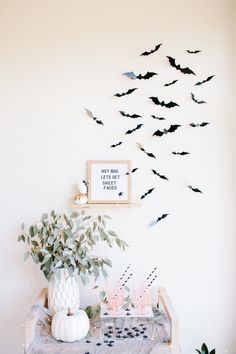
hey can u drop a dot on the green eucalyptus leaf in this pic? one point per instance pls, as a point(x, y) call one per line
point(26, 255)
point(104, 272)
point(102, 295)
point(86, 218)
point(107, 261)
point(46, 259)
point(35, 258)
point(31, 231)
point(112, 233)
point(44, 217)
point(68, 221)
point(21, 238)
point(22, 226)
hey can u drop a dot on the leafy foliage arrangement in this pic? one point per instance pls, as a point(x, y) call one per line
point(66, 241)
point(204, 350)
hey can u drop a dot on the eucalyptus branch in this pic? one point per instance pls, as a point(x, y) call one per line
point(63, 241)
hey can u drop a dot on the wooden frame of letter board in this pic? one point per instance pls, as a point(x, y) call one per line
point(118, 201)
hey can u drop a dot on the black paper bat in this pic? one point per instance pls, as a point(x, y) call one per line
point(172, 129)
point(193, 51)
point(195, 100)
point(129, 115)
point(149, 154)
point(196, 190)
point(163, 216)
point(206, 80)
point(130, 131)
point(182, 153)
point(151, 51)
point(159, 118)
point(125, 93)
point(178, 67)
point(147, 193)
point(121, 194)
point(203, 124)
point(94, 118)
point(158, 174)
point(133, 76)
point(132, 171)
point(171, 83)
point(170, 104)
point(115, 145)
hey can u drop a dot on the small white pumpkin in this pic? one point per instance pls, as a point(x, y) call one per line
point(70, 327)
point(81, 199)
point(82, 187)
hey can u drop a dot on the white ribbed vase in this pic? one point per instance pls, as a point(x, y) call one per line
point(63, 292)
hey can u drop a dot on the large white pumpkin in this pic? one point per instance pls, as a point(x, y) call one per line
point(70, 327)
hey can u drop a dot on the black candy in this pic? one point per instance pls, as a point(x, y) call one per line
point(88, 341)
point(99, 344)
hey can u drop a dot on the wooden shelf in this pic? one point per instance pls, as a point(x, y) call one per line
point(107, 205)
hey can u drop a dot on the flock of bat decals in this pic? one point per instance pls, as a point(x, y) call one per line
point(157, 101)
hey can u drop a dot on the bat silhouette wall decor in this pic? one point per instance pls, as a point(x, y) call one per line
point(129, 115)
point(170, 104)
point(147, 193)
point(182, 153)
point(171, 83)
point(178, 67)
point(193, 51)
point(125, 93)
point(98, 121)
point(163, 216)
point(204, 81)
point(151, 51)
point(153, 117)
point(194, 189)
point(159, 118)
point(130, 131)
point(149, 154)
point(203, 124)
point(159, 175)
point(195, 100)
point(117, 144)
point(133, 76)
point(172, 129)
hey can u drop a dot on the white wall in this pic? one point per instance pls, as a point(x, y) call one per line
point(58, 57)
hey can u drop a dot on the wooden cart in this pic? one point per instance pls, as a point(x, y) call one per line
point(172, 347)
